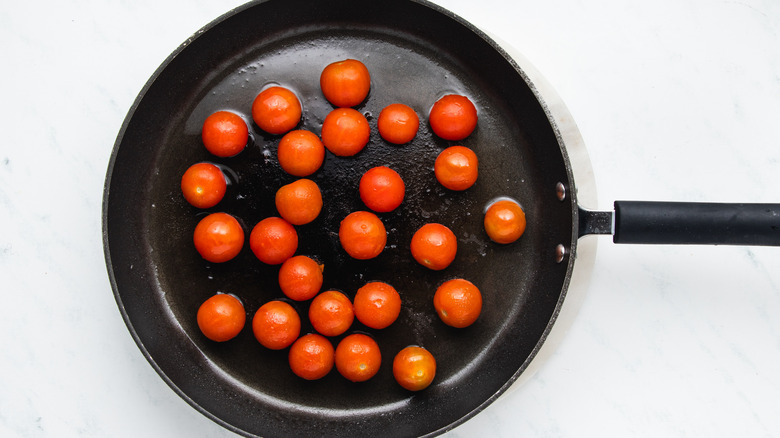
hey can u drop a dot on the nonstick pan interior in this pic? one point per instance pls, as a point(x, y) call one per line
point(416, 53)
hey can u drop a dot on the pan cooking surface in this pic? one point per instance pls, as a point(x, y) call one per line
point(160, 280)
point(256, 175)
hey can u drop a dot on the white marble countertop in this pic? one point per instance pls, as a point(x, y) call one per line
point(675, 100)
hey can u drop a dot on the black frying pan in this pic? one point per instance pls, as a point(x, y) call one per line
point(416, 52)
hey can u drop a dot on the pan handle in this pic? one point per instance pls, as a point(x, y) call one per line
point(686, 223)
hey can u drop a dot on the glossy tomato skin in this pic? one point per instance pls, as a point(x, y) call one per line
point(300, 153)
point(458, 302)
point(299, 202)
point(276, 325)
point(345, 132)
point(331, 313)
point(414, 368)
point(358, 357)
point(434, 246)
point(276, 110)
point(456, 168)
point(300, 278)
point(453, 117)
point(218, 237)
point(345, 83)
point(398, 123)
point(504, 221)
point(311, 357)
point(224, 134)
point(377, 305)
point(382, 189)
point(362, 235)
point(273, 240)
point(203, 185)
point(221, 317)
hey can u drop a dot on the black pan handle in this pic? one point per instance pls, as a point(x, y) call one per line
point(686, 223)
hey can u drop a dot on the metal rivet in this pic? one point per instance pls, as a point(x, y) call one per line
point(560, 253)
point(560, 190)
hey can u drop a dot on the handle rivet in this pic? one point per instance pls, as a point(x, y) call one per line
point(560, 190)
point(560, 253)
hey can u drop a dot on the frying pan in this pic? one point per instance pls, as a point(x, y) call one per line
point(416, 52)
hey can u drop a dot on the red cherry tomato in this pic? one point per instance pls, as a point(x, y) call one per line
point(345, 83)
point(203, 185)
point(276, 325)
point(300, 153)
point(362, 235)
point(221, 317)
point(456, 168)
point(358, 357)
point(345, 132)
point(311, 357)
point(453, 117)
point(218, 237)
point(377, 305)
point(414, 368)
point(224, 134)
point(504, 221)
point(276, 110)
point(331, 313)
point(434, 246)
point(382, 189)
point(458, 302)
point(299, 202)
point(273, 240)
point(398, 123)
point(300, 278)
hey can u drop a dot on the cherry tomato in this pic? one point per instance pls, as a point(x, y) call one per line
point(224, 134)
point(273, 240)
point(362, 235)
point(203, 185)
point(414, 368)
point(331, 313)
point(276, 110)
point(299, 202)
point(456, 168)
point(434, 246)
point(300, 278)
point(398, 123)
point(458, 302)
point(504, 221)
point(345, 83)
point(345, 132)
point(377, 305)
point(358, 357)
point(218, 237)
point(311, 357)
point(382, 189)
point(221, 317)
point(276, 325)
point(300, 153)
point(453, 117)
